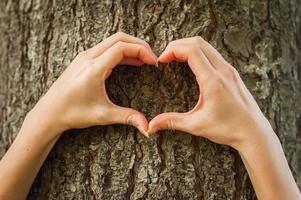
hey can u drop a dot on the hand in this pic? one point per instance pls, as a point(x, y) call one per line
point(226, 112)
point(78, 98)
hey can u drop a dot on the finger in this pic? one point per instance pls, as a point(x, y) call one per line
point(171, 120)
point(110, 41)
point(196, 59)
point(126, 61)
point(214, 57)
point(131, 117)
point(121, 50)
point(211, 53)
point(131, 61)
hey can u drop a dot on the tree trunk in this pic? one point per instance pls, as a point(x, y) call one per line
point(38, 39)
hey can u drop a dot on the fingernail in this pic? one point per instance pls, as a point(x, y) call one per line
point(155, 57)
point(145, 133)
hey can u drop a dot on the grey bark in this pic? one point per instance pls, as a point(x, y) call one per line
point(38, 39)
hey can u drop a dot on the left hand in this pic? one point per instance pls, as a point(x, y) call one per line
point(78, 99)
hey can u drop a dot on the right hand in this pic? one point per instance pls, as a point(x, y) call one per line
point(226, 112)
point(78, 99)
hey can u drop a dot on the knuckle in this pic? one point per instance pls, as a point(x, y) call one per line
point(170, 124)
point(216, 79)
point(217, 84)
point(198, 40)
point(120, 35)
point(145, 43)
point(195, 50)
point(129, 120)
point(231, 72)
point(82, 55)
point(119, 45)
point(140, 50)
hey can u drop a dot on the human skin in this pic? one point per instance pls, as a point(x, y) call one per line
point(227, 113)
point(79, 91)
point(236, 120)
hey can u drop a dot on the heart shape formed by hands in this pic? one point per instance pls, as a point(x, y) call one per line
point(225, 113)
point(224, 99)
point(221, 90)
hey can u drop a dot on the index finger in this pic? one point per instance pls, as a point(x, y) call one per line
point(113, 39)
point(196, 59)
point(121, 50)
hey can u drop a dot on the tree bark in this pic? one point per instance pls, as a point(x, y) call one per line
point(38, 39)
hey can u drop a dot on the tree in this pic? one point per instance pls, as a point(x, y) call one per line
point(40, 38)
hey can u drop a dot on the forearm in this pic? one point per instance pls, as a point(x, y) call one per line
point(77, 99)
point(21, 163)
point(269, 171)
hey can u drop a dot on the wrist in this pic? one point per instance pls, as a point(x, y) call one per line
point(258, 143)
point(256, 136)
point(42, 123)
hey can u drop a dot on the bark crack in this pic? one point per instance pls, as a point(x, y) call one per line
point(136, 18)
point(158, 20)
point(115, 18)
point(90, 178)
point(237, 177)
point(47, 43)
point(213, 18)
point(161, 136)
point(132, 179)
point(195, 151)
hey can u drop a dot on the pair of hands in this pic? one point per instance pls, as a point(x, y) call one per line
point(226, 112)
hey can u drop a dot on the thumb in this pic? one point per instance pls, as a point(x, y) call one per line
point(171, 120)
point(131, 117)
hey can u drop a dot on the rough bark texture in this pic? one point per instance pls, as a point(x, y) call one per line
point(38, 39)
